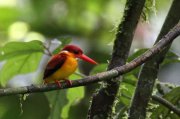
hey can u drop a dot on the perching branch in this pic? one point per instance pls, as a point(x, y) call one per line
point(149, 70)
point(172, 34)
point(166, 104)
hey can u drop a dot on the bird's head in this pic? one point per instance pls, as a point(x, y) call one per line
point(78, 53)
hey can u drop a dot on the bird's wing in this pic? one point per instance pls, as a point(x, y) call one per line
point(54, 64)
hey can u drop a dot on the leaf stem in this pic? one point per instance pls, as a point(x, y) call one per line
point(47, 51)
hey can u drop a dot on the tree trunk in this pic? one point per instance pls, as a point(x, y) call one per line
point(103, 101)
point(149, 71)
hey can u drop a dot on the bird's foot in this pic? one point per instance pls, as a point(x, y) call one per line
point(69, 82)
point(58, 83)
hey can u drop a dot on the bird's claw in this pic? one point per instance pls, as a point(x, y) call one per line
point(58, 83)
point(69, 82)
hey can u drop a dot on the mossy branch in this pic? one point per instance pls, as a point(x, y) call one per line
point(166, 103)
point(172, 34)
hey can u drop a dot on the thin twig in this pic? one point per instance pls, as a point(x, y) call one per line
point(80, 74)
point(167, 104)
point(47, 49)
point(100, 76)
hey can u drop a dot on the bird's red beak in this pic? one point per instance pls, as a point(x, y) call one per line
point(87, 59)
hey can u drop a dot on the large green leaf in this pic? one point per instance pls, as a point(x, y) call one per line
point(57, 100)
point(20, 57)
point(163, 112)
point(74, 95)
point(19, 65)
point(126, 93)
point(130, 79)
point(124, 98)
point(13, 49)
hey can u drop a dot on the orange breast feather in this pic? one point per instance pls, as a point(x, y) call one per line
point(60, 67)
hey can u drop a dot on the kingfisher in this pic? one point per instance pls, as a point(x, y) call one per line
point(63, 64)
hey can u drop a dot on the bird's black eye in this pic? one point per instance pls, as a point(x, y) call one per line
point(76, 52)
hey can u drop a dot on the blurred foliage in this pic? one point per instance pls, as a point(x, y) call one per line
point(89, 23)
point(149, 9)
point(35, 106)
point(19, 56)
point(9, 107)
point(57, 100)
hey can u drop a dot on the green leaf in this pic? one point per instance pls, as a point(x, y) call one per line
point(99, 68)
point(75, 76)
point(125, 100)
point(64, 41)
point(19, 65)
point(132, 57)
point(171, 57)
point(21, 58)
point(136, 54)
point(74, 95)
point(130, 79)
point(13, 49)
point(149, 9)
point(127, 91)
point(173, 96)
point(57, 100)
